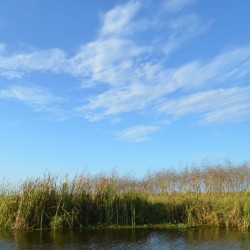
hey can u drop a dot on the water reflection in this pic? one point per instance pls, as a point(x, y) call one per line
point(209, 238)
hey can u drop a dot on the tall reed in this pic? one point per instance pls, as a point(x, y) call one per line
point(211, 194)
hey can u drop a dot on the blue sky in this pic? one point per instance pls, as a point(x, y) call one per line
point(127, 85)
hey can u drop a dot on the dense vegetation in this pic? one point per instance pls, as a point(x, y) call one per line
point(209, 194)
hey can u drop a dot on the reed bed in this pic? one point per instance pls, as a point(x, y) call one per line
point(209, 194)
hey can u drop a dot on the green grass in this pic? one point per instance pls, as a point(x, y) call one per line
point(211, 196)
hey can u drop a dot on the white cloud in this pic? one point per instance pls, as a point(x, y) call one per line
point(117, 101)
point(232, 64)
point(118, 21)
point(230, 114)
point(10, 74)
point(228, 66)
point(177, 5)
point(137, 133)
point(184, 29)
point(18, 64)
point(105, 61)
point(222, 105)
point(34, 96)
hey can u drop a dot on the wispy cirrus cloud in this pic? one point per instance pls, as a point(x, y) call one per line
point(18, 64)
point(184, 29)
point(95, 62)
point(34, 96)
point(116, 101)
point(214, 106)
point(177, 5)
point(137, 133)
point(119, 20)
point(227, 67)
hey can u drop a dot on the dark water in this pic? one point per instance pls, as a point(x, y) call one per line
point(127, 239)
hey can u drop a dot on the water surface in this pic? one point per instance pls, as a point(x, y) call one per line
point(127, 239)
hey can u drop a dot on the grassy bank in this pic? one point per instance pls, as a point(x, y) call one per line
point(216, 195)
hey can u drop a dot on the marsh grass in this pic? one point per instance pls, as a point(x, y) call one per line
point(216, 195)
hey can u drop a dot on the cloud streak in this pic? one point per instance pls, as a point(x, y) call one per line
point(214, 106)
point(119, 20)
point(137, 133)
point(33, 96)
point(19, 64)
point(184, 29)
point(177, 5)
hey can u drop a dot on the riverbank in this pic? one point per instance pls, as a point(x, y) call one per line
point(209, 196)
